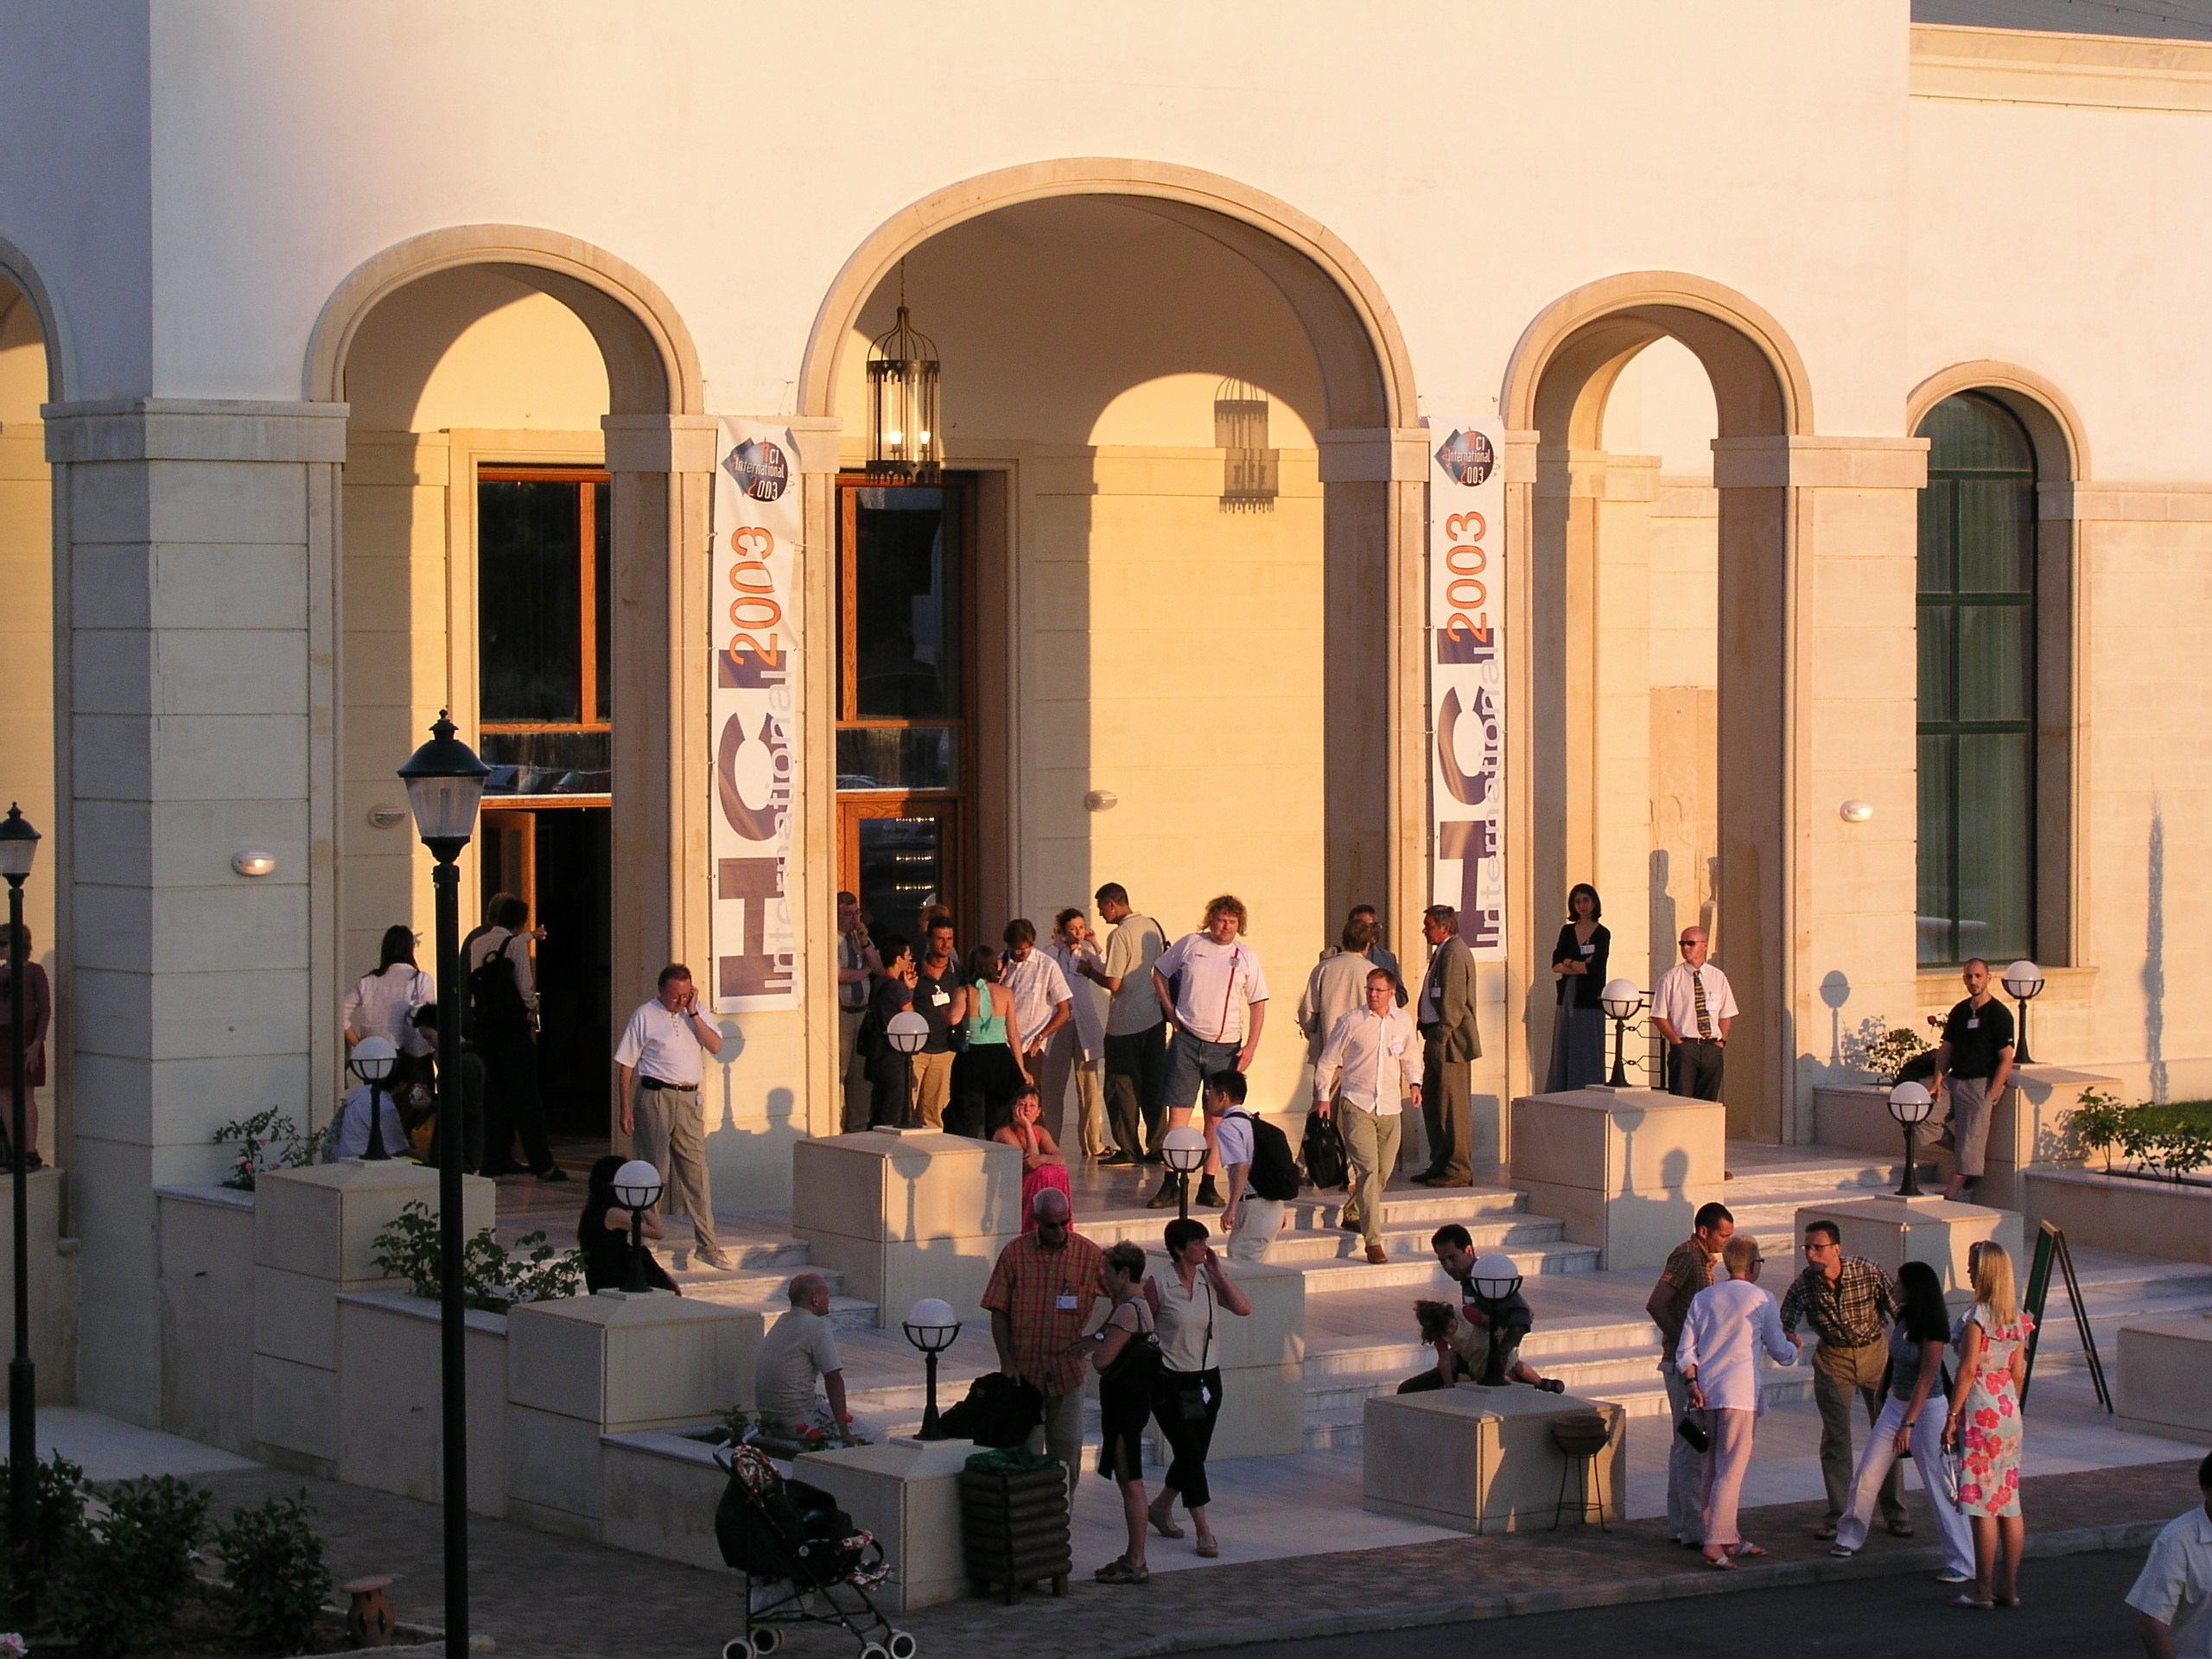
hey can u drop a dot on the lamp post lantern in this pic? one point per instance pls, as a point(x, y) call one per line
point(932, 1327)
point(371, 1061)
point(445, 785)
point(1494, 1280)
point(1910, 1104)
point(637, 1189)
point(1621, 1002)
point(2024, 980)
point(1184, 1151)
point(18, 847)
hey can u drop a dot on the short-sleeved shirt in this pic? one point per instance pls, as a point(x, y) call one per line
point(2175, 1584)
point(1134, 946)
point(1219, 983)
point(1978, 1037)
point(933, 1001)
point(1038, 986)
point(800, 1348)
point(1688, 1270)
point(1048, 1295)
point(1088, 1013)
point(1675, 1000)
point(661, 1044)
point(1232, 1136)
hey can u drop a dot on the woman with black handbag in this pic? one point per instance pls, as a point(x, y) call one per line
point(1126, 1351)
point(1187, 1398)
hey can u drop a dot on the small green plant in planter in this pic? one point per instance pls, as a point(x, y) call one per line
point(2098, 1122)
point(2177, 1149)
point(61, 1493)
point(255, 1136)
point(1887, 1053)
point(493, 1279)
point(272, 1562)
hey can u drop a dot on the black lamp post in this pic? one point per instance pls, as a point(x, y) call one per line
point(1911, 1104)
point(932, 1328)
point(18, 847)
point(1184, 1151)
point(371, 1061)
point(1621, 1002)
point(1495, 1279)
point(2024, 980)
point(445, 783)
point(637, 1189)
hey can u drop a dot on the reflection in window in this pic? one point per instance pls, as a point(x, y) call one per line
point(1977, 684)
point(541, 632)
point(902, 871)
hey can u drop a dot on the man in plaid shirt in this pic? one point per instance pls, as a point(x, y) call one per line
point(1041, 1296)
point(1846, 1299)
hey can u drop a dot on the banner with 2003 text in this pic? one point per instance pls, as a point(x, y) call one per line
point(754, 561)
point(1466, 683)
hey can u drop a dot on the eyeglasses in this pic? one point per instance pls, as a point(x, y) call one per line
point(1686, 944)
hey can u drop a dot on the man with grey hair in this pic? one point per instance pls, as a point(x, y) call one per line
point(798, 1348)
point(1043, 1290)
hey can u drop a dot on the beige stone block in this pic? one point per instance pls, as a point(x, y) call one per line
point(296, 1319)
point(322, 1221)
point(624, 1363)
point(53, 1282)
point(295, 1414)
point(207, 1327)
point(2119, 1213)
point(658, 1496)
point(1856, 1116)
point(1475, 1458)
point(894, 1276)
point(553, 1477)
point(1626, 1169)
point(390, 1394)
point(905, 1187)
point(2165, 1379)
point(1890, 1231)
point(907, 1493)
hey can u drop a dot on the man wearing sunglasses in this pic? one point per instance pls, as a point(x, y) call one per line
point(1041, 1296)
point(1695, 1007)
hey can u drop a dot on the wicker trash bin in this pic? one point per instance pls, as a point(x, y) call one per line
point(1015, 1529)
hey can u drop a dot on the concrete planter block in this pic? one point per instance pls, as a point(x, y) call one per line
point(207, 1314)
point(2165, 1379)
point(906, 1216)
point(391, 1400)
point(2123, 1212)
point(1625, 1169)
point(623, 1364)
point(1482, 1459)
point(555, 1477)
point(1890, 1231)
point(295, 1415)
point(657, 1495)
point(907, 1493)
point(53, 1281)
point(2031, 1123)
point(1262, 1362)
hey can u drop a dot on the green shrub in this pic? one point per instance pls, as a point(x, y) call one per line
point(61, 1495)
point(123, 1571)
point(2099, 1122)
point(2171, 1140)
point(272, 1561)
point(493, 1279)
point(254, 1137)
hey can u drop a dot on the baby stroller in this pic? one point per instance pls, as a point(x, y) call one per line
point(803, 1562)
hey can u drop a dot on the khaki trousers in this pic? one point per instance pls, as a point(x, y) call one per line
point(1837, 1374)
point(1372, 1149)
point(852, 1087)
point(932, 1089)
point(672, 1137)
point(1970, 1106)
point(1063, 1059)
point(1258, 1221)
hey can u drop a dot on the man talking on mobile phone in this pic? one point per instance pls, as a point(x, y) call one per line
point(660, 1055)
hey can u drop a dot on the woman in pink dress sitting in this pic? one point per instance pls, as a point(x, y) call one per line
point(1042, 1166)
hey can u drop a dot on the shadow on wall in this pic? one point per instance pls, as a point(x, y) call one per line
point(750, 1164)
point(2154, 958)
point(1665, 928)
point(1665, 1213)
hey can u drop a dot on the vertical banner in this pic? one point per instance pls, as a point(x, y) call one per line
point(753, 582)
point(1466, 683)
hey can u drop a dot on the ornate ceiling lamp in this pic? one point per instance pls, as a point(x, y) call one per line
point(902, 375)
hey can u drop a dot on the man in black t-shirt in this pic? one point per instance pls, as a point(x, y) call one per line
point(1973, 1064)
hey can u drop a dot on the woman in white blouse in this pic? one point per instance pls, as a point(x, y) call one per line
point(382, 1004)
point(1727, 1325)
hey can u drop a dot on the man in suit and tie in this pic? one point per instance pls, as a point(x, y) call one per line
point(1446, 1016)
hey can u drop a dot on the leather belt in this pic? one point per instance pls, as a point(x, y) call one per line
point(657, 1083)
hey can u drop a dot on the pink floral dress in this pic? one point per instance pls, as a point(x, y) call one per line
point(1989, 1427)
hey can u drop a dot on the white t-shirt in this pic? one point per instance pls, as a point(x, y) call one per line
point(1220, 981)
point(658, 1043)
point(798, 1348)
point(382, 1004)
point(2176, 1585)
point(1233, 1136)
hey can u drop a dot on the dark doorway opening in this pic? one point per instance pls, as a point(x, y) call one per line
point(555, 861)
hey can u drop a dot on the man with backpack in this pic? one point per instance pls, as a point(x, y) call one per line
point(1257, 1159)
point(1370, 1052)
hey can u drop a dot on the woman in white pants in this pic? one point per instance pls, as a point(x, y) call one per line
point(1729, 1324)
point(1912, 1416)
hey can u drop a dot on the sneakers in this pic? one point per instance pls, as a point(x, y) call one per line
point(1948, 1576)
point(1551, 1385)
point(717, 1259)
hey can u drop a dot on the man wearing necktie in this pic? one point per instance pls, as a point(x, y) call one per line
point(1693, 1008)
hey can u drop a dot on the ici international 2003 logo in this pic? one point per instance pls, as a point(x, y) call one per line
point(1467, 457)
point(759, 468)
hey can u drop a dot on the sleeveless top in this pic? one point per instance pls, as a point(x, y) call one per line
point(986, 1028)
point(1185, 1322)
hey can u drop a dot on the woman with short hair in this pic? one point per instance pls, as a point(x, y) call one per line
point(1984, 1425)
point(1125, 1351)
point(1186, 1303)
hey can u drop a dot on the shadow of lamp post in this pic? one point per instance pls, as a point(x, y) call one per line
point(2025, 981)
point(931, 1327)
point(1184, 1151)
point(637, 1189)
point(1621, 1002)
point(18, 847)
point(1910, 1104)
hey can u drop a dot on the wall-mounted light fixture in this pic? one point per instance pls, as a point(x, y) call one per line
point(1855, 812)
point(253, 863)
point(1100, 800)
point(386, 816)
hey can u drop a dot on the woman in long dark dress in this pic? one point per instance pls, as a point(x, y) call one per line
point(603, 1234)
point(1579, 960)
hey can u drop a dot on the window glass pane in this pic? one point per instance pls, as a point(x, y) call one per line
point(1938, 663)
point(902, 871)
point(1994, 677)
point(906, 758)
point(1937, 502)
point(906, 605)
point(1996, 846)
point(603, 558)
point(1974, 433)
point(1936, 817)
point(546, 763)
point(528, 573)
point(1997, 536)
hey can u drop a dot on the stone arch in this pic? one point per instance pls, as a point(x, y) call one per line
point(17, 268)
point(2061, 442)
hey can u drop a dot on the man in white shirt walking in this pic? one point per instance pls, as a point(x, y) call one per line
point(1370, 1051)
point(1043, 1006)
point(660, 1054)
point(1210, 988)
point(1693, 1008)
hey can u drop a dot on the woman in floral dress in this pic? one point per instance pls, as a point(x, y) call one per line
point(1984, 1430)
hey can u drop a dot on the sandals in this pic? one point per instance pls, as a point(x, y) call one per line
point(1720, 1563)
point(1745, 1549)
point(1163, 1523)
point(2008, 1601)
point(1208, 1545)
point(1970, 1603)
point(1118, 1571)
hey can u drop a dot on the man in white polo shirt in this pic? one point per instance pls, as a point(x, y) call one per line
point(1210, 985)
point(1370, 1051)
point(659, 1054)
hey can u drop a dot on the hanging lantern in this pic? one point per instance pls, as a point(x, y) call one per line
point(902, 373)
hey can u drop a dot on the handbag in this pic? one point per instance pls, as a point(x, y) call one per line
point(1695, 1436)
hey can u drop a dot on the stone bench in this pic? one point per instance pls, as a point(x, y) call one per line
point(2165, 1380)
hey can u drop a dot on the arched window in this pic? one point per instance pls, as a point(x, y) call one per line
point(1978, 637)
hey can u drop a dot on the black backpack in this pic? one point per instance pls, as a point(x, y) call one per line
point(1275, 1172)
point(1324, 1152)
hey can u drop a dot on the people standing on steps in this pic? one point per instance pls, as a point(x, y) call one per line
point(1079, 1051)
point(986, 1074)
point(1693, 1007)
point(1728, 1325)
point(890, 1072)
point(659, 1065)
point(491, 908)
point(1125, 1351)
point(1336, 986)
point(503, 1024)
point(1212, 992)
point(1379, 953)
point(1137, 1028)
point(859, 962)
point(1187, 1303)
point(1847, 1301)
point(1370, 1060)
point(1690, 1267)
point(1450, 1042)
point(941, 1000)
point(1044, 1007)
point(1973, 1065)
point(1579, 960)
